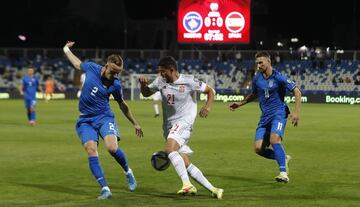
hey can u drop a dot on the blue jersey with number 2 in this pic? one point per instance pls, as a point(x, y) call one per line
point(94, 99)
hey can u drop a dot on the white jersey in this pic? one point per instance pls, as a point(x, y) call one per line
point(157, 96)
point(178, 98)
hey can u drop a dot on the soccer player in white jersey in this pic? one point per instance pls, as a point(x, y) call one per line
point(178, 93)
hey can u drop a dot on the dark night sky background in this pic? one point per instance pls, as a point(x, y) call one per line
point(152, 24)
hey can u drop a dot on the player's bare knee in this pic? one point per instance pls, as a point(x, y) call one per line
point(91, 150)
point(258, 150)
point(171, 146)
point(112, 148)
point(275, 138)
point(111, 143)
point(169, 149)
point(275, 141)
point(186, 159)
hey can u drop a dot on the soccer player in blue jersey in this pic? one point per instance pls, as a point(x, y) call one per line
point(28, 89)
point(270, 86)
point(96, 117)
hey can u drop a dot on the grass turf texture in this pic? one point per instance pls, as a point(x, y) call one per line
point(46, 165)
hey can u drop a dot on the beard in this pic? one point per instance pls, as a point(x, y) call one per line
point(262, 70)
point(106, 81)
point(165, 79)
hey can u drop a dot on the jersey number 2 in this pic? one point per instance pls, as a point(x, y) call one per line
point(94, 90)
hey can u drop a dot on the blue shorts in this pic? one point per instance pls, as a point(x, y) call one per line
point(266, 126)
point(89, 128)
point(30, 103)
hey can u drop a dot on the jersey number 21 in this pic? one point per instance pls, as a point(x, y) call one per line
point(170, 99)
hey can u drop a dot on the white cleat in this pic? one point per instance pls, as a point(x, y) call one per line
point(130, 178)
point(187, 189)
point(105, 194)
point(217, 193)
point(32, 123)
point(282, 178)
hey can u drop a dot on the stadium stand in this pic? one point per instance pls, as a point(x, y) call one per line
point(230, 75)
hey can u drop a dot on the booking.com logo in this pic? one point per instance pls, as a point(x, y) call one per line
point(223, 98)
point(342, 99)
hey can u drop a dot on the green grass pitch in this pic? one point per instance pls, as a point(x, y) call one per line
point(46, 165)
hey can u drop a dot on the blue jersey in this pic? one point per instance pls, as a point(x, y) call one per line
point(271, 92)
point(30, 84)
point(94, 99)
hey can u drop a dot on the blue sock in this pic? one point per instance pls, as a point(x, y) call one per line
point(120, 157)
point(97, 171)
point(32, 115)
point(280, 156)
point(268, 153)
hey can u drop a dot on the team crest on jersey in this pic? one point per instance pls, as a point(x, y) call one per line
point(181, 88)
point(271, 83)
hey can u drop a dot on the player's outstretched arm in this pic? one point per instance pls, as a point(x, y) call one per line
point(204, 111)
point(145, 90)
point(21, 89)
point(295, 115)
point(233, 106)
point(70, 56)
point(127, 112)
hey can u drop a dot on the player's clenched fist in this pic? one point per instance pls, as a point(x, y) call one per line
point(143, 81)
point(69, 44)
point(234, 106)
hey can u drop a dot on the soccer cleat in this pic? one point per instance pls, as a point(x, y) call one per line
point(288, 158)
point(282, 178)
point(32, 123)
point(217, 193)
point(105, 194)
point(131, 180)
point(187, 189)
point(156, 115)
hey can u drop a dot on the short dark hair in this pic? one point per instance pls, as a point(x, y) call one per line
point(262, 54)
point(168, 62)
point(116, 59)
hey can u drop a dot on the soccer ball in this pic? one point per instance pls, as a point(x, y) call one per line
point(160, 161)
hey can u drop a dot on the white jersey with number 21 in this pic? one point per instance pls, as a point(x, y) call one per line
point(178, 98)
